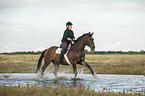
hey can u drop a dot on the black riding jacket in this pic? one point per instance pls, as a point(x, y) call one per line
point(67, 33)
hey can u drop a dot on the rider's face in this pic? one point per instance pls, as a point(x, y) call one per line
point(69, 27)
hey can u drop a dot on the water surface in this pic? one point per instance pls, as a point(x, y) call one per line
point(132, 83)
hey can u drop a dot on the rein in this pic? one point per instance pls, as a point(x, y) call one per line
point(87, 41)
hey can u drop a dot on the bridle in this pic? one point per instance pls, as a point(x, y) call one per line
point(89, 42)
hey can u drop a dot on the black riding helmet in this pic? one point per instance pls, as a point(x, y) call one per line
point(69, 23)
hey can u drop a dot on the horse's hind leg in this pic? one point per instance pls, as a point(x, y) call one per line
point(75, 70)
point(56, 65)
point(46, 63)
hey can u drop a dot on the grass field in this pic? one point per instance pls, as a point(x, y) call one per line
point(102, 64)
point(58, 91)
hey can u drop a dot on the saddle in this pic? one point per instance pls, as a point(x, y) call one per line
point(58, 51)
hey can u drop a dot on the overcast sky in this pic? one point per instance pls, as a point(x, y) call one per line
point(32, 25)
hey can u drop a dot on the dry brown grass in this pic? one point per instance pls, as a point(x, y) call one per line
point(104, 64)
point(57, 91)
point(118, 64)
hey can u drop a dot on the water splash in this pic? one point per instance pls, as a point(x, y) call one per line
point(94, 70)
point(80, 71)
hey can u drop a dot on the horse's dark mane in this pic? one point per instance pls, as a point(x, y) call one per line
point(81, 37)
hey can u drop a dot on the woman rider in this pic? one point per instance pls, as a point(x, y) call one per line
point(68, 37)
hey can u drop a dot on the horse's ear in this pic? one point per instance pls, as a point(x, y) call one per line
point(89, 33)
point(92, 33)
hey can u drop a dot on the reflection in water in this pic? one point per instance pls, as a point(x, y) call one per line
point(66, 83)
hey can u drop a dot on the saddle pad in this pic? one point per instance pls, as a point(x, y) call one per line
point(58, 51)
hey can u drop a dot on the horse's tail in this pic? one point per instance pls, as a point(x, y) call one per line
point(40, 60)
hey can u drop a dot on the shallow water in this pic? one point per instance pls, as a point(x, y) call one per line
point(132, 83)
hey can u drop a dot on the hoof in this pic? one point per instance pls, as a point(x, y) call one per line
point(95, 77)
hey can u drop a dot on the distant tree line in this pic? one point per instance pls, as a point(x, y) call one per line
point(86, 51)
point(29, 52)
point(114, 52)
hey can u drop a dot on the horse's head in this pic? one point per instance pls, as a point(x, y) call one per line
point(90, 41)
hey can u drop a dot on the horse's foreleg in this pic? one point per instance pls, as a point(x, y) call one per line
point(56, 67)
point(75, 69)
point(88, 66)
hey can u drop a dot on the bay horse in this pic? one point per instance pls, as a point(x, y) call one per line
point(76, 55)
